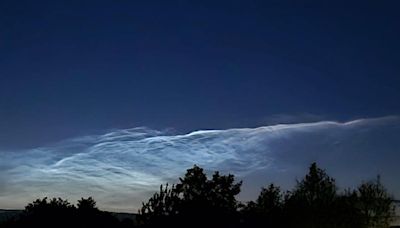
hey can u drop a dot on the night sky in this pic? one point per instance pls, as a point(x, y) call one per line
point(150, 86)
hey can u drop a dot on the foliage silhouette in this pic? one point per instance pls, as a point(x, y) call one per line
point(86, 204)
point(312, 202)
point(315, 202)
point(375, 204)
point(161, 207)
point(60, 213)
point(195, 201)
point(266, 211)
point(47, 213)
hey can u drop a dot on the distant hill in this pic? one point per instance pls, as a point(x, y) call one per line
point(7, 214)
point(123, 216)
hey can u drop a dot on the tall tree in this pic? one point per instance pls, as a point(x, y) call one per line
point(270, 199)
point(266, 211)
point(194, 201)
point(311, 204)
point(161, 207)
point(375, 204)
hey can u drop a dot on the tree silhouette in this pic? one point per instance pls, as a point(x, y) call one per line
point(162, 206)
point(270, 199)
point(311, 204)
point(266, 211)
point(197, 201)
point(316, 187)
point(48, 213)
point(60, 213)
point(88, 215)
point(86, 204)
point(375, 204)
point(208, 202)
point(345, 211)
point(194, 201)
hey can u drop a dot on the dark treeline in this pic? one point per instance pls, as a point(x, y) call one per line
point(315, 202)
point(198, 201)
point(57, 212)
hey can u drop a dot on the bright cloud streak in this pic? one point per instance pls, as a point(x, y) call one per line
point(123, 167)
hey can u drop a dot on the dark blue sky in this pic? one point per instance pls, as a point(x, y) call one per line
point(71, 68)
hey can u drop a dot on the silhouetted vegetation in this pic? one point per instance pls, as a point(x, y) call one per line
point(60, 213)
point(314, 203)
point(198, 201)
point(195, 201)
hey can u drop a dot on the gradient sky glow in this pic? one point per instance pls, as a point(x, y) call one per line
point(123, 167)
point(84, 84)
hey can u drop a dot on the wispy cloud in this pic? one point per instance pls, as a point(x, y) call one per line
point(123, 167)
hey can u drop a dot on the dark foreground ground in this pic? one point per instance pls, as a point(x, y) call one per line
point(7, 214)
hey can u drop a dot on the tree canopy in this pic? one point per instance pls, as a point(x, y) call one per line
point(58, 212)
point(194, 201)
point(314, 202)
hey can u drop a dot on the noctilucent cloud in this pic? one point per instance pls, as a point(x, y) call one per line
point(79, 78)
point(122, 168)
